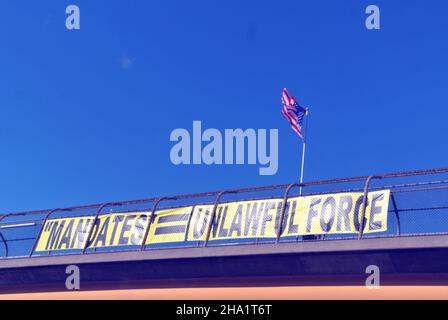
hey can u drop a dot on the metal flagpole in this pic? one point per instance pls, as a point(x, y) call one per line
point(305, 133)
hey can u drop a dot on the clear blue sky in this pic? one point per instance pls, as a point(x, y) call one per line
point(86, 115)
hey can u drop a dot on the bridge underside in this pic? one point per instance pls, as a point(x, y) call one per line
point(403, 261)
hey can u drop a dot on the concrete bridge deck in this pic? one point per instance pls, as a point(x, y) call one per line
point(405, 260)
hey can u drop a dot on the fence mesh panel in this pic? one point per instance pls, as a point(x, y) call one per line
point(418, 205)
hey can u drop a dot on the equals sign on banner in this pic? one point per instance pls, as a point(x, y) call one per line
point(171, 225)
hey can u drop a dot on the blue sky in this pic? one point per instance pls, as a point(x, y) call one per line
point(86, 115)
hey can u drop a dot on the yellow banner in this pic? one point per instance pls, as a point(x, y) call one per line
point(169, 226)
point(339, 213)
point(336, 214)
point(116, 229)
point(308, 215)
point(64, 233)
point(235, 220)
point(119, 229)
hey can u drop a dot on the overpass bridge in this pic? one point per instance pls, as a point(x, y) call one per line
point(323, 238)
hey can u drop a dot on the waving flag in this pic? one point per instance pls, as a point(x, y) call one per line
point(293, 112)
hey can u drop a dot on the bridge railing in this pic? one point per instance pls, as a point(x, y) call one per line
point(418, 205)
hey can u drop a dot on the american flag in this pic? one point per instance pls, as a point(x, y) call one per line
point(293, 112)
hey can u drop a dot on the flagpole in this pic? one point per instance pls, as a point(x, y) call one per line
point(305, 133)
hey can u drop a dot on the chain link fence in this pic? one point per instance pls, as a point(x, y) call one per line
point(418, 205)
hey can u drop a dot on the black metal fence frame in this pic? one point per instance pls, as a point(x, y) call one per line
point(408, 187)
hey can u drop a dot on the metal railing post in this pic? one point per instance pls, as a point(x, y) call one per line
point(98, 212)
point(365, 203)
point(397, 214)
point(151, 219)
point(3, 238)
point(187, 229)
point(47, 216)
point(282, 214)
point(215, 205)
point(6, 245)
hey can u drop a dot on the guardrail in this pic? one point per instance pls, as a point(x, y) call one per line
point(418, 203)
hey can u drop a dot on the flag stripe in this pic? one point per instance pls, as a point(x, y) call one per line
point(294, 124)
point(293, 112)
